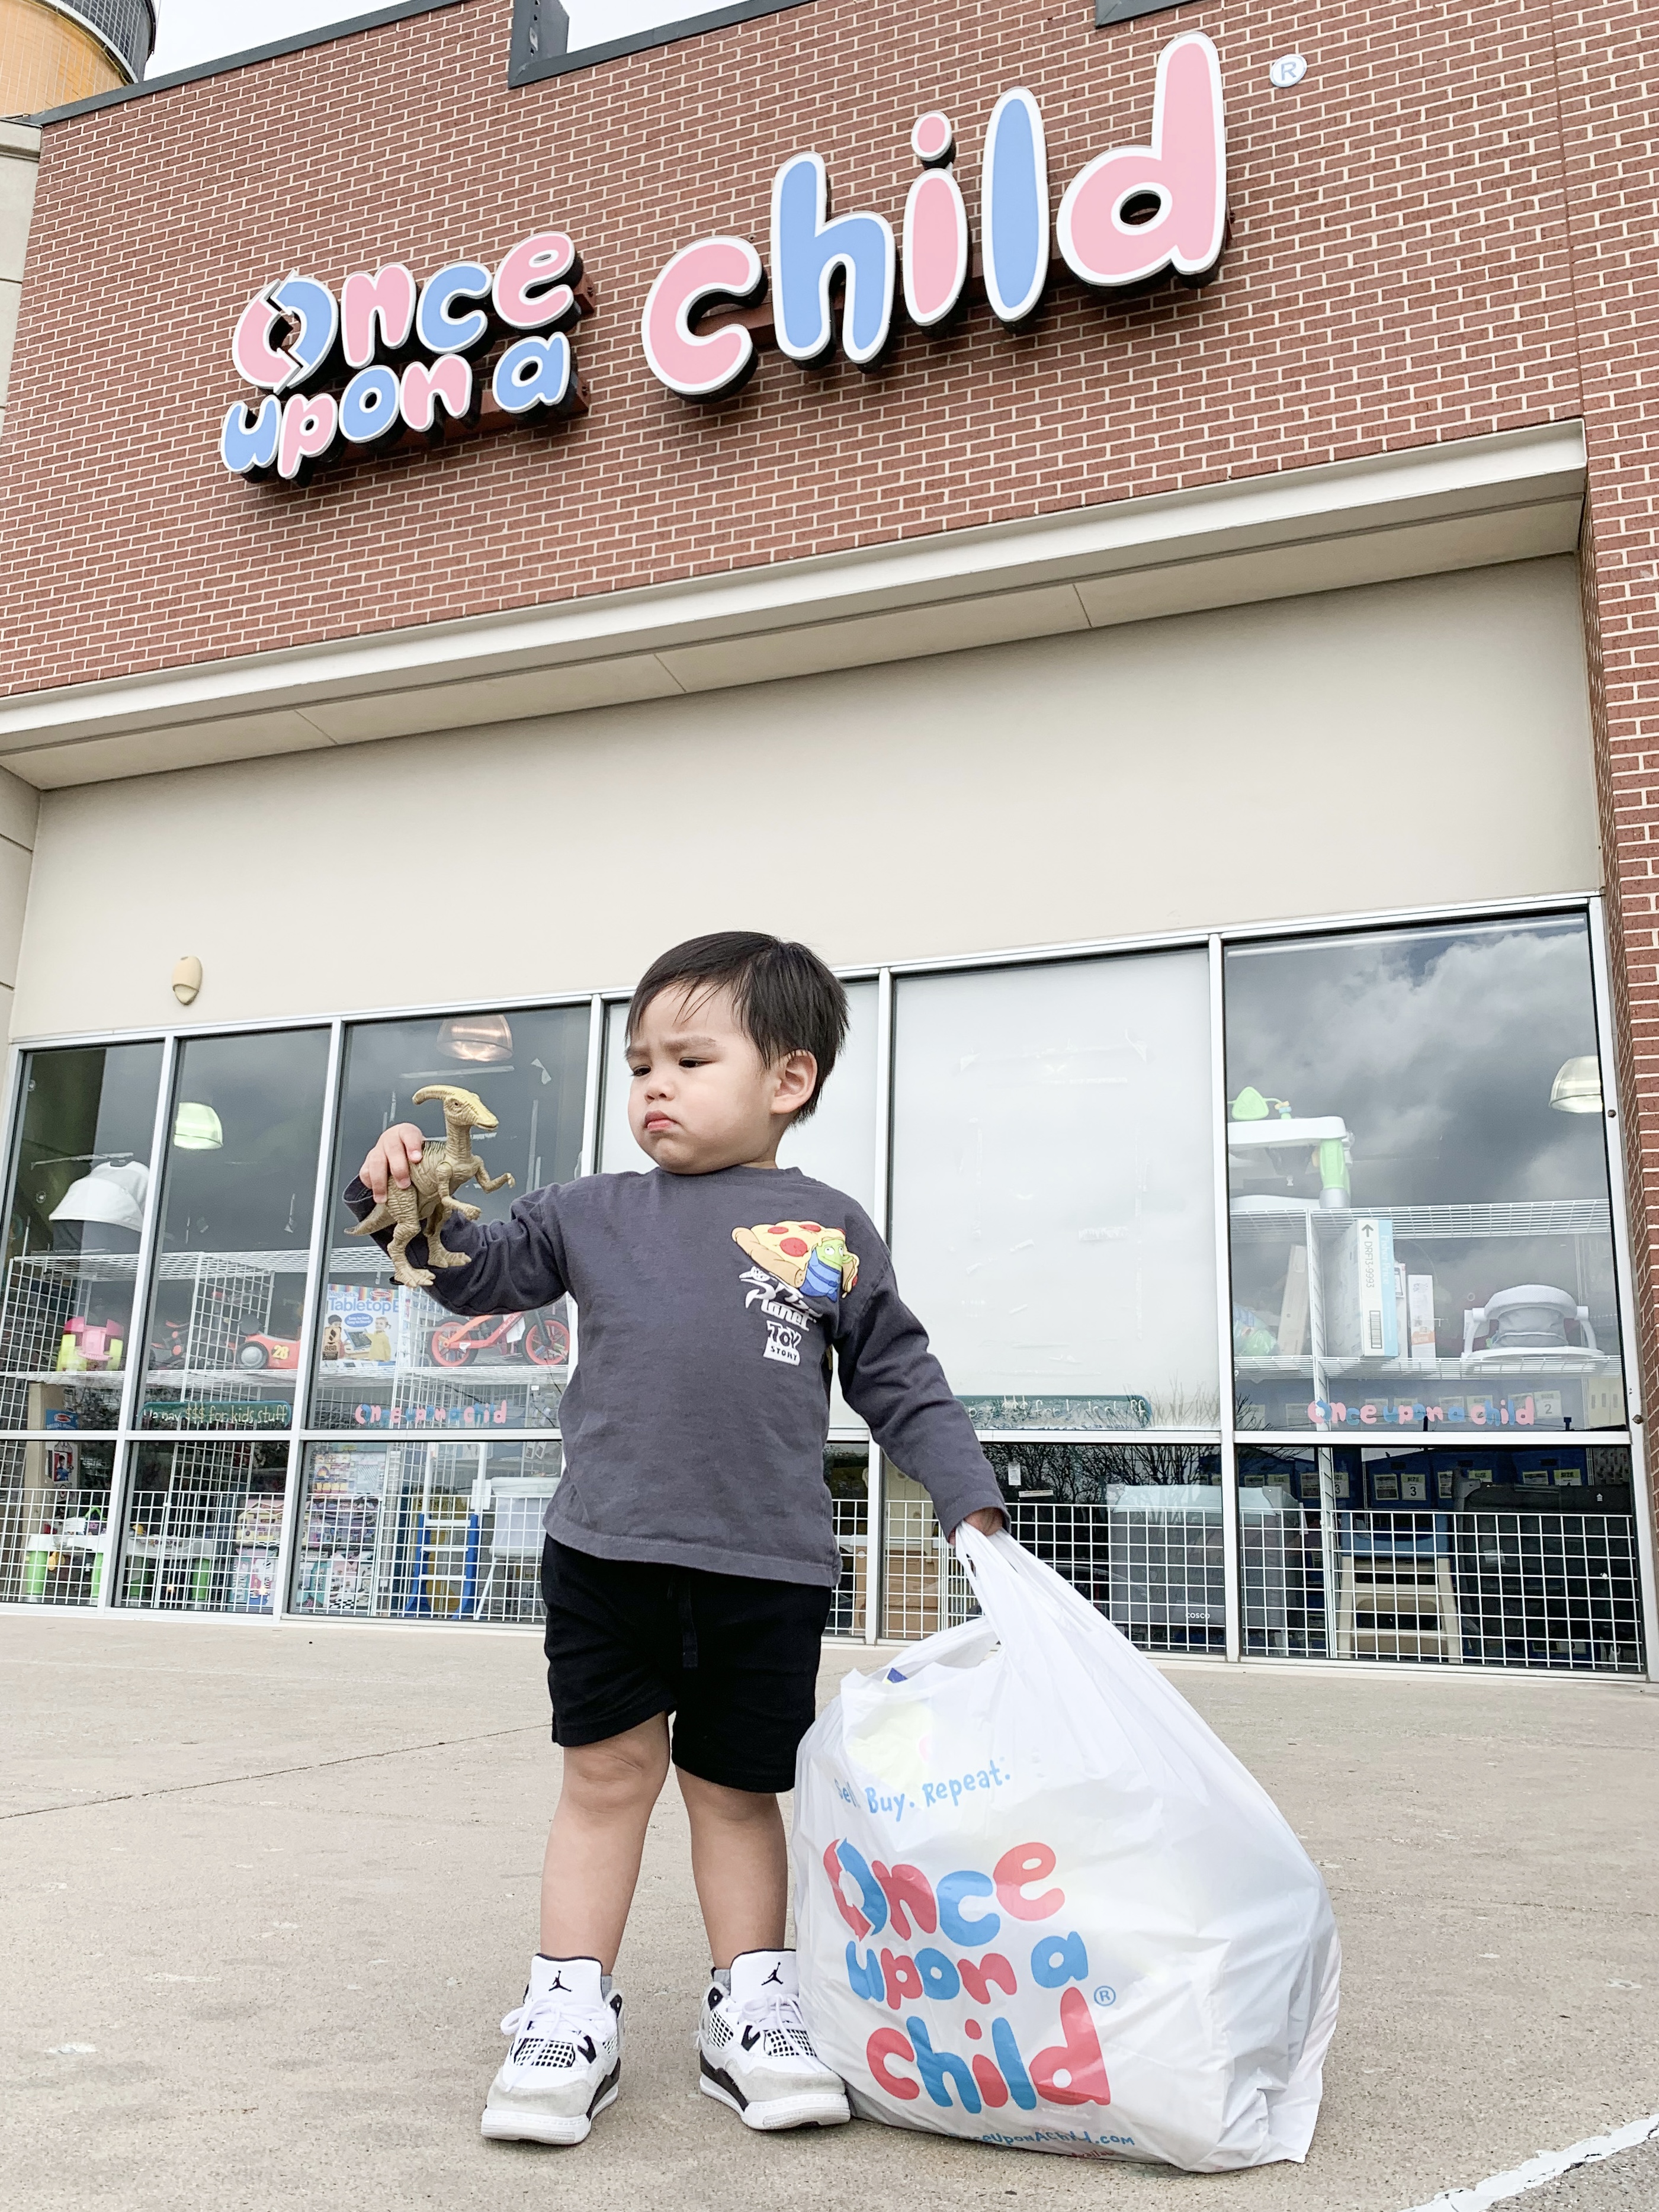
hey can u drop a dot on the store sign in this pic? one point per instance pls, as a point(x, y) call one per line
point(217, 1414)
point(483, 1415)
point(389, 360)
point(1130, 215)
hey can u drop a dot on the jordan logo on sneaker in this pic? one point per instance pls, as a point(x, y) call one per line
point(776, 1975)
point(558, 1982)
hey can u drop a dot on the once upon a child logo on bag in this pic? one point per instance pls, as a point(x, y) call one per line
point(1071, 2071)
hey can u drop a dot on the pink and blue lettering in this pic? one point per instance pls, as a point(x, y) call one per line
point(703, 365)
point(437, 326)
point(533, 287)
point(935, 260)
point(968, 1910)
point(427, 382)
point(1014, 206)
point(377, 312)
point(536, 373)
point(1138, 210)
point(809, 250)
point(293, 332)
point(313, 315)
point(368, 405)
point(309, 423)
point(248, 441)
point(256, 356)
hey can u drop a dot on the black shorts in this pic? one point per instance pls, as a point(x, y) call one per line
point(734, 1660)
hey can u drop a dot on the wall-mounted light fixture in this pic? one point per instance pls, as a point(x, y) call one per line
point(196, 1128)
point(1577, 1086)
point(482, 1039)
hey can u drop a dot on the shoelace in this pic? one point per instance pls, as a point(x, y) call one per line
point(771, 2008)
point(555, 2018)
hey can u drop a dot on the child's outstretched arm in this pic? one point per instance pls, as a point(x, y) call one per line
point(517, 1265)
point(889, 1377)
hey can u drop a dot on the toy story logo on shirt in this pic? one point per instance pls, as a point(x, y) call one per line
point(968, 1912)
point(802, 1270)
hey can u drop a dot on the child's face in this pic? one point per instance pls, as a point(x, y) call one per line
point(701, 1097)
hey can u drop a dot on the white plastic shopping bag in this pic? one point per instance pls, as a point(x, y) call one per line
point(1039, 1903)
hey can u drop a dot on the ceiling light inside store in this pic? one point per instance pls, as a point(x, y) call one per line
point(196, 1128)
point(111, 1194)
point(1577, 1086)
point(481, 1039)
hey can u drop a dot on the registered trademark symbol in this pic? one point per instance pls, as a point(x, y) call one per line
point(1105, 1995)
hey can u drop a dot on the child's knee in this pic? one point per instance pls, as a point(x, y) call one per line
point(618, 1775)
point(738, 1809)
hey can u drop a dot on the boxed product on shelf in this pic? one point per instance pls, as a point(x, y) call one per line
point(1361, 1321)
point(254, 1579)
point(361, 1328)
point(261, 1520)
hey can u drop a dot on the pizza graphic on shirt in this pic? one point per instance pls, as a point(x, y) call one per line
point(805, 1255)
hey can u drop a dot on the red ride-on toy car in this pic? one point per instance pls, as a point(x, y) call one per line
point(538, 1337)
point(279, 1352)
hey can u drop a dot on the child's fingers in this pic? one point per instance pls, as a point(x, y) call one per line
point(393, 1160)
point(403, 1148)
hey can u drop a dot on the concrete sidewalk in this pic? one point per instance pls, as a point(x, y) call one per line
point(267, 1891)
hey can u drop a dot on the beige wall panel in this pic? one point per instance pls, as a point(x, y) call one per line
point(20, 809)
point(1403, 745)
point(19, 160)
point(13, 898)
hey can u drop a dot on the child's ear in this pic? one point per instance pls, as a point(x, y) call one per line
point(797, 1072)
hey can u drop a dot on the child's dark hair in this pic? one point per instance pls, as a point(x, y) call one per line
point(784, 999)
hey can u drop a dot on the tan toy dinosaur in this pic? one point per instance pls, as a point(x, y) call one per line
point(423, 1208)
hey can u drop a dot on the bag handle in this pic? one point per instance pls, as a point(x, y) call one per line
point(1007, 1578)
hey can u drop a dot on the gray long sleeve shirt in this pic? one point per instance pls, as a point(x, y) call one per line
point(710, 1306)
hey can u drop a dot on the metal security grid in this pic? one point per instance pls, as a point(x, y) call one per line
point(1155, 1569)
point(1512, 1590)
point(1543, 1593)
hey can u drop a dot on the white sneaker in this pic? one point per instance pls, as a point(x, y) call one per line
point(754, 2052)
point(565, 2063)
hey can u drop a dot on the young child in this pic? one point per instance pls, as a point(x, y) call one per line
point(691, 1554)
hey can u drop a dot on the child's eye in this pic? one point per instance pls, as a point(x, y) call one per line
point(690, 1062)
point(638, 1070)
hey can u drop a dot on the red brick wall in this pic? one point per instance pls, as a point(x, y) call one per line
point(1609, 74)
point(1396, 275)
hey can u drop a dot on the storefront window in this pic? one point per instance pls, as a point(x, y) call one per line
point(390, 1358)
point(847, 1472)
point(837, 1145)
point(55, 1536)
point(1136, 1528)
point(1500, 1555)
point(204, 1526)
point(409, 1528)
point(80, 1178)
point(1053, 1189)
point(240, 1183)
point(1421, 1228)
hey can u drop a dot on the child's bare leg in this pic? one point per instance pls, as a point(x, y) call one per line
point(740, 1863)
point(597, 1839)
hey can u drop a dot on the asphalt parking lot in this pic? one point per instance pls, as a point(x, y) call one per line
point(267, 1891)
